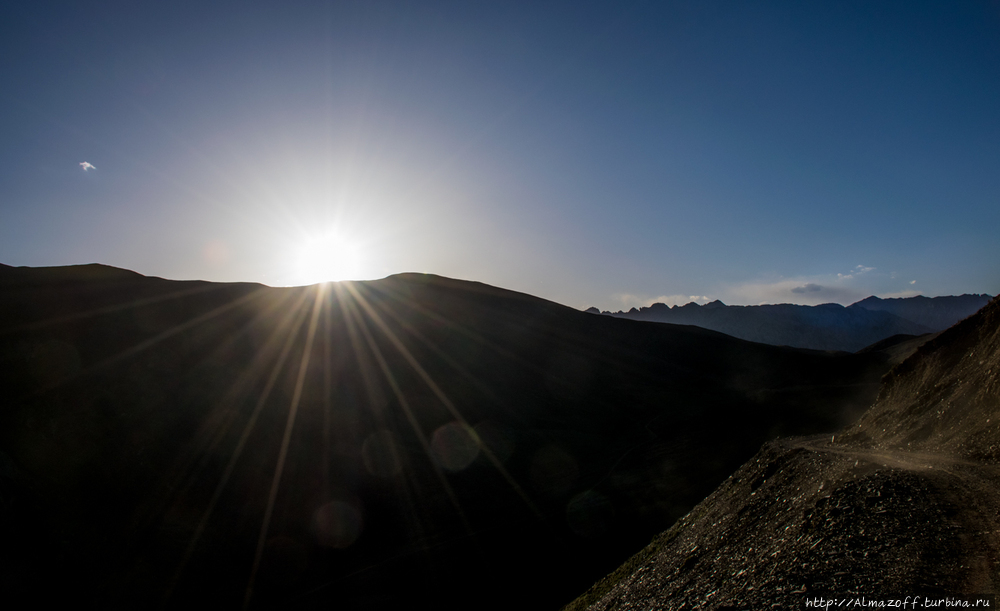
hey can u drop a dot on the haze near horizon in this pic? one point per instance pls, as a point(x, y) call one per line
point(595, 154)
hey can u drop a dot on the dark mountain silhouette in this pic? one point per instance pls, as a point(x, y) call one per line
point(412, 442)
point(906, 502)
point(824, 327)
point(937, 313)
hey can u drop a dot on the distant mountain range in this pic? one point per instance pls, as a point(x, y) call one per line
point(829, 326)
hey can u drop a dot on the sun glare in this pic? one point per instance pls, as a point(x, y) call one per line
point(329, 257)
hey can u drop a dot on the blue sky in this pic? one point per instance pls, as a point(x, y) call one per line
point(593, 153)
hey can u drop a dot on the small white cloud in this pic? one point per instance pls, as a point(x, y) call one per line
point(806, 291)
point(86, 165)
point(913, 281)
point(857, 271)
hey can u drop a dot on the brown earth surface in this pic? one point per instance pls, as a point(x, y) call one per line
point(906, 502)
point(809, 517)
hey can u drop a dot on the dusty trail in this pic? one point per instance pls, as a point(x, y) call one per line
point(902, 459)
point(811, 516)
point(973, 487)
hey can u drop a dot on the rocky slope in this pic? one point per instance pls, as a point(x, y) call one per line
point(906, 502)
point(946, 398)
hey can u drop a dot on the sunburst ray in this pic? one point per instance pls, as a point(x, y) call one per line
point(288, 330)
point(369, 374)
point(118, 307)
point(440, 394)
point(404, 404)
point(146, 344)
point(285, 440)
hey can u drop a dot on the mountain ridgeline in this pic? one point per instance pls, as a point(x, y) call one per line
point(829, 326)
point(411, 442)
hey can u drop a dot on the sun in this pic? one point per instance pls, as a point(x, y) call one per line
point(328, 257)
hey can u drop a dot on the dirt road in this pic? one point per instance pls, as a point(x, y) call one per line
point(972, 487)
point(809, 517)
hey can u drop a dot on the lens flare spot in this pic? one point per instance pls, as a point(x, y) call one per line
point(381, 454)
point(337, 524)
point(455, 446)
point(216, 253)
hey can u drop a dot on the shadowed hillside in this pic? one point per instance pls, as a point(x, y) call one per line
point(906, 502)
point(409, 442)
point(947, 399)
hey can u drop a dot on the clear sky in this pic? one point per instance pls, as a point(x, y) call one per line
point(593, 153)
